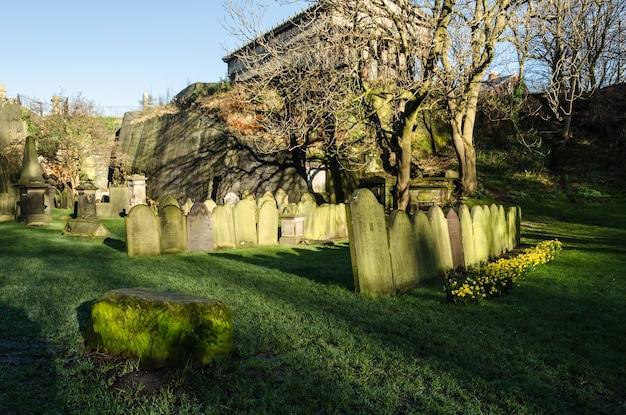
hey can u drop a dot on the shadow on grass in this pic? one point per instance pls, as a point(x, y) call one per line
point(27, 369)
point(324, 265)
point(116, 244)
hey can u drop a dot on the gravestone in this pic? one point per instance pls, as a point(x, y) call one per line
point(306, 208)
point(160, 329)
point(425, 247)
point(267, 197)
point(291, 209)
point(403, 249)
point(488, 225)
point(199, 228)
point(456, 240)
point(231, 199)
point(32, 188)
point(67, 199)
point(500, 232)
point(331, 230)
point(342, 221)
point(443, 251)
point(513, 224)
point(321, 219)
point(119, 200)
point(173, 230)
point(481, 243)
point(86, 223)
point(369, 246)
point(210, 204)
point(143, 231)
point(7, 207)
point(224, 227)
point(467, 236)
point(168, 200)
point(186, 207)
point(245, 224)
point(282, 200)
point(291, 229)
point(268, 223)
point(137, 189)
point(248, 195)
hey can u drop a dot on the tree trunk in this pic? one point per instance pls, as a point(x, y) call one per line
point(403, 162)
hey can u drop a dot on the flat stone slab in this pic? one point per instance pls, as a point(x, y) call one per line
point(161, 329)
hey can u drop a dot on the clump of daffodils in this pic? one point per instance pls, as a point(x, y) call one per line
point(499, 277)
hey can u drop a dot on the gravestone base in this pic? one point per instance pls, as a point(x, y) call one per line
point(160, 329)
point(87, 228)
point(290, 240)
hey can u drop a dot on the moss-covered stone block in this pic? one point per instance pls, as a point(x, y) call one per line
point(160, 328)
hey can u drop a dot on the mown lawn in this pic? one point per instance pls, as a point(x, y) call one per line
point(305, 343)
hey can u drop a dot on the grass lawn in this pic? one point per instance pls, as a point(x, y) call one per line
point(305, 343)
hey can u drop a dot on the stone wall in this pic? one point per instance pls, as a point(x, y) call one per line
point(190, 153)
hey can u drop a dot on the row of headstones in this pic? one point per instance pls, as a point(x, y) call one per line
point(205, 226)
point(397, 253)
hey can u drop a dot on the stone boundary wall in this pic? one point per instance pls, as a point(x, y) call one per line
point(396, 253)
point(239, 223)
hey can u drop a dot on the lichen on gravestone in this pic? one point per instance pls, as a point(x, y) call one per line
point(160, 329)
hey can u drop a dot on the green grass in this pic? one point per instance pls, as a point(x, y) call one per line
point(306, 343)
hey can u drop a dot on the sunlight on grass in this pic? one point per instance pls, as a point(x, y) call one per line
point(306, 343)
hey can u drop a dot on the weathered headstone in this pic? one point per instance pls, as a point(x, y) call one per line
point(186, 207)
point(267, 197)
point(210, 204)
point(160, 329)
point(199, 228)
point(67, 199)
point(500, 231)
point(143, 231)
point(425, 247)
point(481, 242)
point(231, 199)
point(291, 209)
point(467, 236)
point(168, 200)
point(173, 230)
point(245, 224)
point(224, 227)
point(513, 224)
point(488, 224)
point(342, 221)
point(320, 220)
point(248, 195)
point(331, 229)
point(306, 208)
point(86, 223)
point(443, 251)
point(137, 189)
point(119, 200)
point(7, 207)
point(403, 250)
point(456, 241)
point(369, 246)
point(268, 223)
point(282, 200)
point(32, 188)
point(291, 229)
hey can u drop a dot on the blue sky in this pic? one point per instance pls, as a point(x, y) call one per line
point(112, 51)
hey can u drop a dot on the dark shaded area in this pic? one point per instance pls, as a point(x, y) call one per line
point(27, 366)
point(330, 265)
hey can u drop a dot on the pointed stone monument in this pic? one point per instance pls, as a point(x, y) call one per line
point(32, 188)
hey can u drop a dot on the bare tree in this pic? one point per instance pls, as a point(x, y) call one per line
point(575, 41)
point(343, 66)
point(343, 70)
